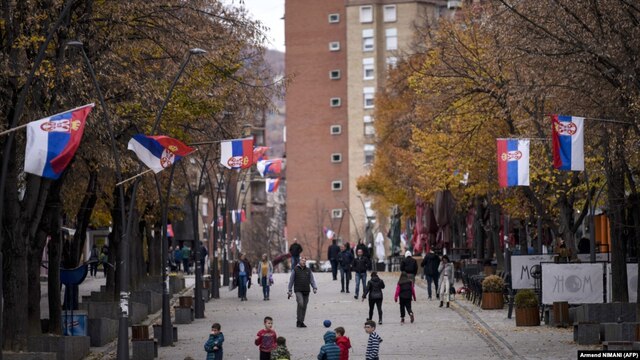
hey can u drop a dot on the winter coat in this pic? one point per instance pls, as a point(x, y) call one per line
point(446, 270)
point(345, 259)
point(295, 249)
point(329, 351)
point(214, 340)
point(344, 344)
point(405, 290)
point(361, 264)
point(333, 252)
point(430, 264)
point(281, 353)
point(409, 265)
point(374, 288)
point(266, 340)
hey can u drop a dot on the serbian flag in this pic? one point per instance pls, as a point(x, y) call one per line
point(513, 162)
point(52, 142)
point(238, 216)
point(328, 232)
point(568, 142)
point(158, 152)
point(237, 154)
point(260, 153)
point(266, 167)
point(272, 184)
point(170, 231)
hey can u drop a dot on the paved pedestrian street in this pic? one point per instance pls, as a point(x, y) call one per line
point(463, 331)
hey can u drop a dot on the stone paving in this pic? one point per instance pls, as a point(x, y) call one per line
point(462, 331)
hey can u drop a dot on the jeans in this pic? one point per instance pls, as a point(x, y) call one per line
point(359, 277)
point(345, 276)
point(185, 262)
point(302, 299)
point(430, 279)
point(334, 269)
point(294, 261)
point(242, 286)
point(264, 281)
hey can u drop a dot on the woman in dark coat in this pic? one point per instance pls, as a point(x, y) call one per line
point(242, 276)
point(374, 290)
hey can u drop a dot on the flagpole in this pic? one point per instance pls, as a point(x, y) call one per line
point(133, 177)
point(27, 124)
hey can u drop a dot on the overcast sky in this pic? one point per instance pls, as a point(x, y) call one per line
point(270, 13)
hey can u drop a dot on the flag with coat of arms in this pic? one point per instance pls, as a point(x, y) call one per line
point(568, 142)
point(513, 162)
point(158, 152)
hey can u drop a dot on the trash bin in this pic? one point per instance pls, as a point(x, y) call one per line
point(74, 323)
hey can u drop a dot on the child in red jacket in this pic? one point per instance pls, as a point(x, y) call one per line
point(343, 343)
point(405, 291)
point(266, 339)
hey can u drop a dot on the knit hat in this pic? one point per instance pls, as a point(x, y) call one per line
point(407, 254)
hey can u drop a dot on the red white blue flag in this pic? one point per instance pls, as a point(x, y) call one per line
point(52, 142)
point(513, 162)
point(269, 167)
point(272, 184)
point(260, 153)
point(158, 152)
point(170, 231)
point(238, 216)
point(237, 154)
point(568, 142)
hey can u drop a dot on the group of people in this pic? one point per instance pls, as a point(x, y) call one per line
point(273, 347)
point(242, 271)
point(97, 258)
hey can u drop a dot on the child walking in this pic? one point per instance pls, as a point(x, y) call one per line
point(373, 344)
point(374, 290)
point(329, 351)
point(213, 346)
point(266, 339)
point(405, 291)
point(343, 343)
point(281, 352)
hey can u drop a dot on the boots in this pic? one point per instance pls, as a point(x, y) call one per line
point(412, 318)
point(447, 304)
point(401, 321)
point(442, 303)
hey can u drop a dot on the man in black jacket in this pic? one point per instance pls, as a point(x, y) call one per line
point(295, 250)
point(430, 264)
point(301, 281)
point(332, 255)
point(410, 266)
point(360, 266)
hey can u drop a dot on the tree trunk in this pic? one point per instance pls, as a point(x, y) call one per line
point(495, 228)
point(154, 245)
point(616, 197)
point(479, 229)
point(53, 285)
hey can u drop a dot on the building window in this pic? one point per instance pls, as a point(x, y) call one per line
point(368, 67)
point(389, 13)
point(334, 18)
point(336, 213)
point(334, 46)
point(369, 129)
point(336, 158)
point(336, 129)
point(367, 40)
point(334, 74)
point(366, 14)
point(369, 94)
point(392, 62)
point(335, 102)
point(369, 152)
point(392, 39)
point(336, 185)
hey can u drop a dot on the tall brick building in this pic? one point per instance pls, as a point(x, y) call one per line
point(338, 52)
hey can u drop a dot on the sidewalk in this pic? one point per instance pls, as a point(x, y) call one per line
point(462, 331)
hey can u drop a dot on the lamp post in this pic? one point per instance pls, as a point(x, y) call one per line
point(123, 326)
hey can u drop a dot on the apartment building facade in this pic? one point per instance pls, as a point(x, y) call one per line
point(339, 53)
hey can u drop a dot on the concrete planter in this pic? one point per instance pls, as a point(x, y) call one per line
point(492, 301)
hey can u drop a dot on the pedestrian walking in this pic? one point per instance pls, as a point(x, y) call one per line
point(295, 250)
point(329, 351)
point(373, 343)
point(281, 352)
point(104, 259)
point(446, 279)
point(345, 259)
point(242, 276)
point(374, 290)
point(203, 255)
point(430, 265)
point(361, 264)
point(213, 346)
point(265, 274)
point(332, 255)
point(409, 265)
point(186, 258)
point(266, 339)
point(365, 250)
point(94, 260)
point(405, 291)
point(301, 281)
point(177, 257)
point(343, 343)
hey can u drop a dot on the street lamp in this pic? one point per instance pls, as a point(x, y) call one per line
point(123, 323)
